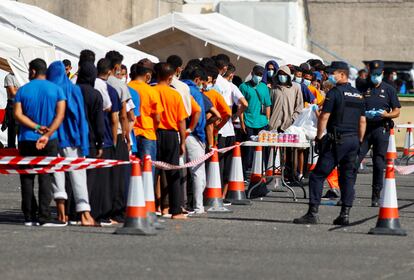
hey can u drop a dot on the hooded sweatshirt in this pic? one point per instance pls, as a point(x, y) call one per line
point(287, 102)
point(74, 131)
point(266, 79)
point(93, 104)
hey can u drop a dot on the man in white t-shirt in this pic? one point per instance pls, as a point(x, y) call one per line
point(233, 96)
point(11, 85)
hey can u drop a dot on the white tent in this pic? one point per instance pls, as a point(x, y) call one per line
point(67, 38)
point(17, 50)
point(197, 35)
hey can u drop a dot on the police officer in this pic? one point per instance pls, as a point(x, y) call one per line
point(381, 105)
point(343, 116)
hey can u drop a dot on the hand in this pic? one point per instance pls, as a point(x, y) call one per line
point(99, 153)
point(128, 142)
point(381, 113)
point(182, 148)
point(42, 142)
point(369, 114)
point(243, 128)
point(314, 107)
point(42, 130)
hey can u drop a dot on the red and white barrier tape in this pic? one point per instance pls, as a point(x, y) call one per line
point(404, 170)
point(8, 164)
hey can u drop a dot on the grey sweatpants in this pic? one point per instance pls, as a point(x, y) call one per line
point(77, 179)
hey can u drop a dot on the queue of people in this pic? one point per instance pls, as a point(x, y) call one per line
point(176, 113)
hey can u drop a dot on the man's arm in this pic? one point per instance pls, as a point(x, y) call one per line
point(241, 107)
point(11, 91)
point(395, 113)
point(114, 126)
point(362, 128)
point(21, 118)
point(268, 113)
point(322, 123)
point(182, 136)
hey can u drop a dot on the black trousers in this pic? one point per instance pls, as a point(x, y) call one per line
point(11, 125)
point(120, 175)
point(32, 211)
point(225, 158)
point(168, 150)
point(100, 185)
point(346, 157)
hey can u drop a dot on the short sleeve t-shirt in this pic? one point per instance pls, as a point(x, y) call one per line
point(102, 87)
point(135, 100)
point(115, 107)
point(10, 81)
point(256, 96)
point(174, 110)
point(38, 99)
point(150, 104)
point(184, 91)
point(123, 93)
point(219, 103)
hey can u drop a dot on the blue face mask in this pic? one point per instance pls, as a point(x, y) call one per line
point(376, 79)
point(332, 79)
point(270, 73)
point(283, 78)
point(256, 79)
point(306, 82)
point(298, 80)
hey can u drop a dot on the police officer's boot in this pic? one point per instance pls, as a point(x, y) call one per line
point(376, 193)
point(312, 217)
point(343, 218)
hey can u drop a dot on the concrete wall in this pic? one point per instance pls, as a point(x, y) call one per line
point(363, 29)
point(107, 16)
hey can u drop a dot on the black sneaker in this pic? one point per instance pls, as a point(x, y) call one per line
point(55, 223)
point(307, 219)
point(331, 194)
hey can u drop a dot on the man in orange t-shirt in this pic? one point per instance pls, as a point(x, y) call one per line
point(169, 146)
point(146, 124)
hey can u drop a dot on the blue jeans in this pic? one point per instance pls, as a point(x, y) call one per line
point(147, 147)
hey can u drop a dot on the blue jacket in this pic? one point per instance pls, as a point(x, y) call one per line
point(73, 132)
point(195, 92)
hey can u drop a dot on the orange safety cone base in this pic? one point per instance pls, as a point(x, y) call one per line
point(136, 226)
point(388, 227)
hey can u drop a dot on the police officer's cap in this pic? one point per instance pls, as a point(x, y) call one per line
point(376, 67)
point(337, 65)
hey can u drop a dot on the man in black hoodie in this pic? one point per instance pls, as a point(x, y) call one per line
point(94, 113)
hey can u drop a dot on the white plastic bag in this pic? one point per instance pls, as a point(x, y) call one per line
point(308, 122)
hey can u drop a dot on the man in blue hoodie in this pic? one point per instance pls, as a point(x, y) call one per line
point(73, 135)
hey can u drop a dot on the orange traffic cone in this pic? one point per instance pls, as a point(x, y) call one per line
point(136, 222)
point(388, 218)
point(213, 194)
point(270, 168)
point(256, 175)
point(392, 149)
point(257, 185)
point(148, 181)
point(236, 192)
point(409, 142)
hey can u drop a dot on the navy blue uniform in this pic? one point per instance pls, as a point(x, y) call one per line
point(346, 106)
point(378, 129)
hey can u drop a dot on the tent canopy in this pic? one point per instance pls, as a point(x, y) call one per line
point(67, 38)
point(17, 50)
point(211, 29)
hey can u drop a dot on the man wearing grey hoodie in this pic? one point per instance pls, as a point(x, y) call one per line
point(287, 100)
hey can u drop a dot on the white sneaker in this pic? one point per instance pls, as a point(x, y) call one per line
point(31, 224)
point(54, 224)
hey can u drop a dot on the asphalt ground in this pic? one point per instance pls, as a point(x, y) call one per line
point(254, 242)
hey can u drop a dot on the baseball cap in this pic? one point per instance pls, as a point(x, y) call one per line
point(337, 65)
point(376, 67)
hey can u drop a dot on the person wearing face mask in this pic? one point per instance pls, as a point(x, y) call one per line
point(287, 100)
point(256, 116)
point(343, 117)
point(308, 77)
point(308, 97)
point(390, 77)
point(270, 69)
point(381, 106)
